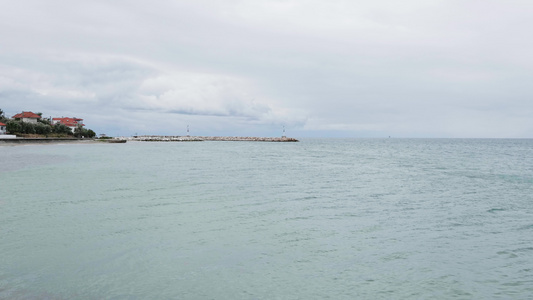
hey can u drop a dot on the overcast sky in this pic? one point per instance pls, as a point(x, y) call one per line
point(337, 68)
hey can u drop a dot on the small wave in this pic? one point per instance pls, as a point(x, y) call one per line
point(148, 205)
point(516, 178)
point(525, 249)
point(395, 256)
point(527, 227)
point(296, 218)
point(515, 252)
point(508, 254)
point(308, 198)
point(495, 210)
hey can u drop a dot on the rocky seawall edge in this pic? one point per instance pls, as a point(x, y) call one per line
point(159, 138)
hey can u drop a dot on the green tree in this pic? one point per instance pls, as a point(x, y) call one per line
point(79, 131)
point(44, 121)
point(27, 128)
point(91, 134)
point(14, 127)
point(43, 129)
point(3, 118)
point(47, 129)
point(62, 129)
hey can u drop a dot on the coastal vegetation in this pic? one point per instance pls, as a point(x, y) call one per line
point(43, 128)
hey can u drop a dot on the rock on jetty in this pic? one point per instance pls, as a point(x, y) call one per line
point(248, 139)
point(166, 138)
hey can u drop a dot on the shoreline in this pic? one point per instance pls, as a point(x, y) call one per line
point(37, 141)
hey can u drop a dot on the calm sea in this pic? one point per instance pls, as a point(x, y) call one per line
point(319, 219)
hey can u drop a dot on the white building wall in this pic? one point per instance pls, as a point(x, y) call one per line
point(29, 120)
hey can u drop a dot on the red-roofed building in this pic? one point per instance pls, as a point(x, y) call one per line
point(73, 123)
point(2, 128)
point(27, 116)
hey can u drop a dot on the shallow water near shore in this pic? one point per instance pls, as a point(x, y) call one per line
point(322, 218)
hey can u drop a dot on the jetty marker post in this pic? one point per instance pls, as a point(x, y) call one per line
point(283, 135)
point(187, 130)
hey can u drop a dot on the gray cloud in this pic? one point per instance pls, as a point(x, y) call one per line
point(340, 68)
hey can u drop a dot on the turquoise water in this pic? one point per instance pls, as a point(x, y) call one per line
point(319, 219)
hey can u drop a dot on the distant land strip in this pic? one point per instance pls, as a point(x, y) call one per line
point(41, 140)
point(166, 138)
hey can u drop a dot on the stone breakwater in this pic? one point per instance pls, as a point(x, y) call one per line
point(161, 138)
